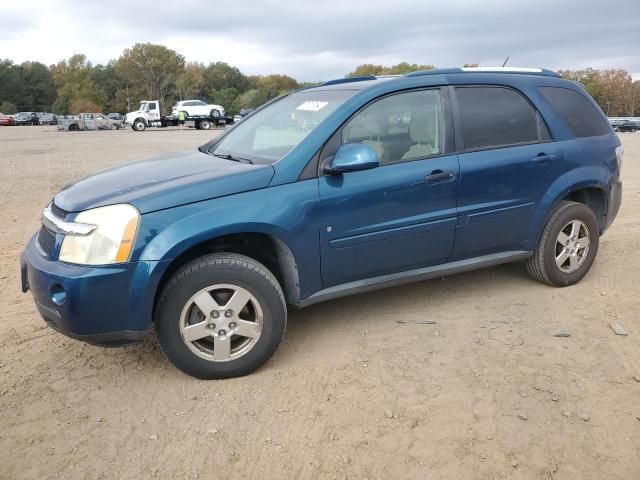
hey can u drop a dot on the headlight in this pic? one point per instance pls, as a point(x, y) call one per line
point(110, 242)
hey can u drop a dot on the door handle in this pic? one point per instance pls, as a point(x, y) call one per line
point(438, 176)
point(543, 158)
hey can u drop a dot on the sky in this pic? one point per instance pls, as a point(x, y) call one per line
point(324, 39)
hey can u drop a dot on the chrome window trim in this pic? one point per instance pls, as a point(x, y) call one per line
point(57, 225)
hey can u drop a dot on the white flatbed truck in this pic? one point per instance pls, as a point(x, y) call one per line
point(148, 115)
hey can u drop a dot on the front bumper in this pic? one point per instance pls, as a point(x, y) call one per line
point(107, 305)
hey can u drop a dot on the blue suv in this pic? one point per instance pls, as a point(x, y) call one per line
point(354, 185)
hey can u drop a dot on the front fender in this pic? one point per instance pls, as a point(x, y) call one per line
point(189, 232)
point(288, 213)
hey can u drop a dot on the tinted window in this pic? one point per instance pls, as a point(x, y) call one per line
point(152, 106)
point(400, 127)
point(583, 118)
point(494, 116)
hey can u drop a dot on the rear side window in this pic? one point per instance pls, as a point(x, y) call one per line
point(497, 117)
point(583, 118)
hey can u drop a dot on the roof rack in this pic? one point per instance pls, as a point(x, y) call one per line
point(523, 70)
point(349, 80)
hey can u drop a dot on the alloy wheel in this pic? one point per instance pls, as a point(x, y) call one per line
point(221, 322)
point(572, 246)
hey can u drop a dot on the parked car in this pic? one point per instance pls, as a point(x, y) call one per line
point(627, 126)
point(195, 108)
point(47, 119)
point(324, 193)
point(243, 113)
point(7, 120)
point(89, 121)
point(27, 118)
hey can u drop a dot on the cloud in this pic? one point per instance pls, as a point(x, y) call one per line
point(314, 40)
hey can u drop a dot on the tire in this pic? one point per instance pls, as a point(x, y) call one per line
point(204, 124)
point(74, 128)
point(139, 125)
point(210, 281)
point(556, 265)
point(215, 113)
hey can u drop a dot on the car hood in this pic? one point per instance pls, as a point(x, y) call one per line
point(165, 181)
point(131, 116)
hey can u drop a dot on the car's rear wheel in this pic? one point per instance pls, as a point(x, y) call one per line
point(221, 316)
point(567, 247)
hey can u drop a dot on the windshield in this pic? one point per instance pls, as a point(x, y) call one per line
point(271, 133)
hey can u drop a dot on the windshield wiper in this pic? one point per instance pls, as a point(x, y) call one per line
point(228, 156)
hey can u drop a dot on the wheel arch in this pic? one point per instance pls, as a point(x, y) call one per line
point(587, 185)
point(268, 249)
point(593, 196)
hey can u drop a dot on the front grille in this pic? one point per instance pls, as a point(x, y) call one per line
point(47, 240)
point(58, 212)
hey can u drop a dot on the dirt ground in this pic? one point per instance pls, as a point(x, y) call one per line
point(487, 392)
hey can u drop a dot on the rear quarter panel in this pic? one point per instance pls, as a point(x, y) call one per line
point(589, 162)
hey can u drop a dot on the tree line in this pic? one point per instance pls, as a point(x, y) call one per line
point(154, 72)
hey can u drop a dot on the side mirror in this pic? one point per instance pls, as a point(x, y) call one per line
point(352, 157)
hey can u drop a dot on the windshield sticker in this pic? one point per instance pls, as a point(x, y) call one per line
point(311, 106)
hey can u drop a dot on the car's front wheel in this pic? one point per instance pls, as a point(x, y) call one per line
point(221, 316)
point(139, 125)
point(215, 113)
point(567, 247)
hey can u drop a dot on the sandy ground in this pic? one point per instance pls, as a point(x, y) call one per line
point(487, 392)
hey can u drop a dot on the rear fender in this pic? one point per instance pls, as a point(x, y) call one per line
point(576, 179)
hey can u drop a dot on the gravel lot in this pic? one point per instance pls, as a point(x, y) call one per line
point(487, 392)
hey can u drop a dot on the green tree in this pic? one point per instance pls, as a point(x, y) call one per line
point(588, 77)
point(150, 70)
point(61, 106)
point(612, 89)
point(225, 97)
point(190, 83)
point(365, 70)
point(8, 108)
point(275, 85)
point(82, 105)
point(39, 90)
point(106, 83)
point(250, 99)
point(221, 75)
point(73, 80)
point(11, 86)
point(401, 68)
